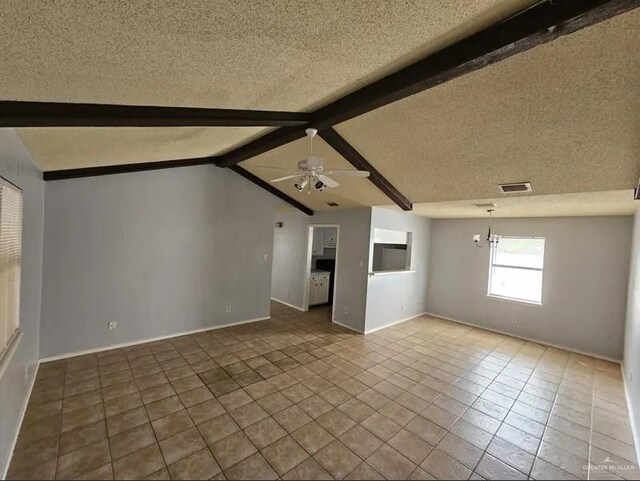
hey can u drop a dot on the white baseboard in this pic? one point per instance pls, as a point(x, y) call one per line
point(288, 305)
point(152, 339)
point(525, 338)
point(23, 411)
point(634, 431)
point(369, 331)
point(347, 326)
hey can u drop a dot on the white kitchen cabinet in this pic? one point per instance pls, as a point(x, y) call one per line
point(319, 288)
point(330, 237)
point(323, 291)
point(318, 241)
point(313, 293)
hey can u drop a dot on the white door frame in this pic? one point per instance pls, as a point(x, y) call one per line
point(307, 276)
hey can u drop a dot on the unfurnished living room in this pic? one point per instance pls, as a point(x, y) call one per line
point(331, 239)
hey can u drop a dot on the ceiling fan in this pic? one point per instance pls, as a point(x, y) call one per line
point(310, 172)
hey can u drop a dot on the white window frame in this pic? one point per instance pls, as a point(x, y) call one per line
point(10, 343)
point(492, 265)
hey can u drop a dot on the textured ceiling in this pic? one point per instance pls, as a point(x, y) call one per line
point(259, 54)
point(564, 116)
point(617, 202)
point(352, 193)
point(69, 147)
point(291, 55)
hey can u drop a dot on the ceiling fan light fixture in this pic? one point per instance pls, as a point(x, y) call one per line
point(301, 184)
point(311, 173)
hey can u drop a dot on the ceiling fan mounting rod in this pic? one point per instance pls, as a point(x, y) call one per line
point(311, 133)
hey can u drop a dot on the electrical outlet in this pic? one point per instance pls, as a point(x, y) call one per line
point(402, 307)
point(476, 237)
point(361, 263)
point(514, 319)
point(228, 309)
point(266, 257)
point(113, 325)
point(346, 310)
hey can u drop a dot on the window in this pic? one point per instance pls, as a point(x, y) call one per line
point(516, 269)
point(10, 264)
point(391, 250)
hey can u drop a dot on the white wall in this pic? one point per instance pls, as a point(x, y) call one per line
point(399, 295)
point(632, 333)
point(16, 165)
point(584, 284)
point(159, 252)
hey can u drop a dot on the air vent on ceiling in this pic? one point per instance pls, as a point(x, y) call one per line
point(487, 205)
point(515, 188)
point(332, 204)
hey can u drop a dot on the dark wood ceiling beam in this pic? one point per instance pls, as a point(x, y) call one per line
point(55, 114)
point(262, 144)
point(270, 188)
point(346, 150)
point(534, 26)
point(122, 169)
point(537, 25)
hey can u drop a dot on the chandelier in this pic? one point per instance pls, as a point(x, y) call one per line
point(492, 239)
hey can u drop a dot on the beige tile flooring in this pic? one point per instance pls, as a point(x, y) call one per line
point(299, 398)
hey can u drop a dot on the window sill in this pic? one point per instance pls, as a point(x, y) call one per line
point(388, 273)
point(7, 355)
point(514, 301)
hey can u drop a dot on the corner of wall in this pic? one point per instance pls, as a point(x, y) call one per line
point(633, 414)
point(631, 355)
point(18, 166)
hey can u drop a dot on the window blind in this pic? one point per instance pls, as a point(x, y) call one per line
point(10, 261)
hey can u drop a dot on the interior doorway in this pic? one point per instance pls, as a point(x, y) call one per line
point(322, 267)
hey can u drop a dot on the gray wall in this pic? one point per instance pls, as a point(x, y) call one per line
point(289, 257)
point(159, 252)
point(395, 296)
point(350, 289)
point(17, 166)
point(632, 333)
point(584, 283)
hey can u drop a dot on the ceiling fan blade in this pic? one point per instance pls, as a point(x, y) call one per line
point(348, 173)
point(328, 181)
point(286, 177)
point(272, 168)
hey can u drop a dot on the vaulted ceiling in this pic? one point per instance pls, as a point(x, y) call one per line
point(564, 116)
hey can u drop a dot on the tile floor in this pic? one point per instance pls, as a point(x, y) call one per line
point(299, 398)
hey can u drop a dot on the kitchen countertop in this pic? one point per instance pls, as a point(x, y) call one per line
point(319, 271)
